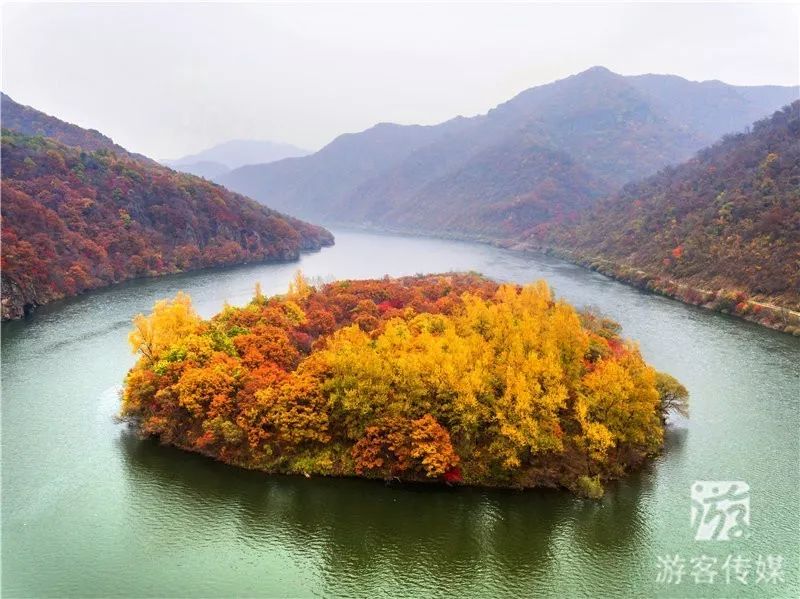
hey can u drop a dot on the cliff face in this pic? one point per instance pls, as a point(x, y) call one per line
point(74, 220)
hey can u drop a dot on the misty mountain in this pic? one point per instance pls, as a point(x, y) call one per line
point(208, 169)
point(712, 107)
point(220, 159)
point(482, 176)
point(319, 182)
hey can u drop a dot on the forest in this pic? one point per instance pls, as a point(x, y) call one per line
point(29, 121)
point(75, 220)
point(722, 229)
point(447, 378)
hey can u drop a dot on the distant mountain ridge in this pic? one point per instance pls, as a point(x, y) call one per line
point(713, 107)
point(221, 158)
point(491, 175)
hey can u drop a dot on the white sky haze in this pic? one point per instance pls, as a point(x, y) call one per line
point(171, 79)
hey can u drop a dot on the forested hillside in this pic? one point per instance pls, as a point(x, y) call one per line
point(30, 121)
point(727, 219)
point(529, 184)
point(548, 150)
point(75, 220)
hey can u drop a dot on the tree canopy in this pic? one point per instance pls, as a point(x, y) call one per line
point(445, 377)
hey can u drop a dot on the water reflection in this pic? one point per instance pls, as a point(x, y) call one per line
point(357, 535)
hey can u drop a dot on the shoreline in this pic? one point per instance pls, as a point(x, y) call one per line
point(722, 301)
point(9, 315)
point(545, 483)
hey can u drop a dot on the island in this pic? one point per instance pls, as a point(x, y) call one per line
point(450, 378)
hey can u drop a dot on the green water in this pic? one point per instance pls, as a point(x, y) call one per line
point(90, 510)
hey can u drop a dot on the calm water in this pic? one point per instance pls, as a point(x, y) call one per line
point(90, 510)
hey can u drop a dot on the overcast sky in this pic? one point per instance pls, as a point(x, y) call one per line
point(168, 80)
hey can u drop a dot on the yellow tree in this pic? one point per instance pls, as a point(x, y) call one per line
point(169, 322)
point(299, 287)
point(620, 405)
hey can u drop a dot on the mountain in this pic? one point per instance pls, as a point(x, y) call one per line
point(220, 159)
point(208, 169)
point(728, 219)
point(75, 220)
point(30, 121)
point(579, 137)
point(713, 107)
point(499, 192)
point(319, 182)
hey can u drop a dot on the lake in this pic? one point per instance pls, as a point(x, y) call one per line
point(88, 509)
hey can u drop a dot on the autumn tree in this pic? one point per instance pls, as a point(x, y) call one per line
point(448, 377)
point(169, 321)
point(673, 397)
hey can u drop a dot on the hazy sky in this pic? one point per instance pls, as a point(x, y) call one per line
point(168, 80)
